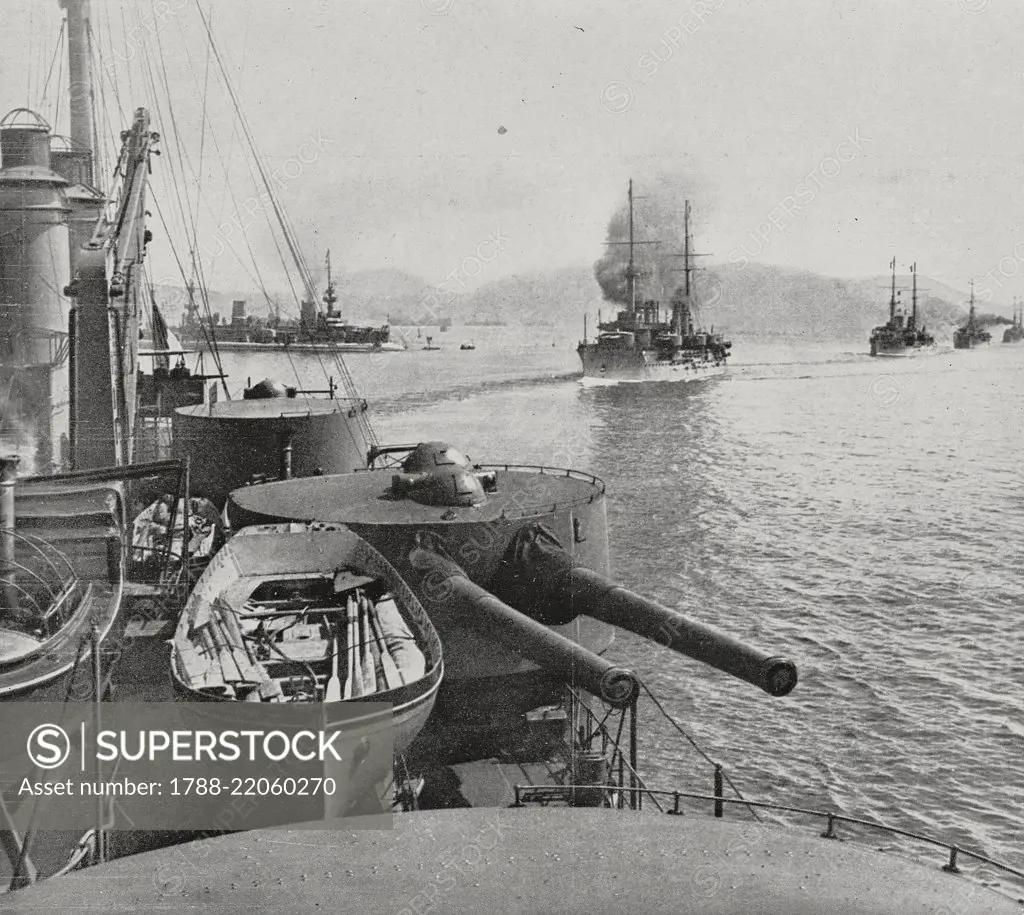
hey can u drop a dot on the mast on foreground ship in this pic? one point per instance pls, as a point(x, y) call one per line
point(900, 336)
point(971, 333)
point(639, 346)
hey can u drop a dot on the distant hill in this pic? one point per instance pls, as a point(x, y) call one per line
point(760, 300)
point(541, 298)
point(373, 295)
point(769, 301)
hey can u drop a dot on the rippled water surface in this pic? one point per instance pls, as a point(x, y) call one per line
point(864, 517)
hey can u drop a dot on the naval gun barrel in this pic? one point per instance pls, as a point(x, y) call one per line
point(606, 601)
point(444, 580)
point(542, 578)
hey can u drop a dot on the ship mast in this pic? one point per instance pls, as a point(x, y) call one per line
point(892, 297)
point(631, 267)
point(679, 325)
point(329, 296)
point(687, 267)
point(913, 317)
point(83, 128)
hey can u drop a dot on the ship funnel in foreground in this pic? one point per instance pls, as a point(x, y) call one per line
point(540, 574)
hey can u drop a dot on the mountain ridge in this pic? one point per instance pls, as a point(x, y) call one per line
point(754, 299)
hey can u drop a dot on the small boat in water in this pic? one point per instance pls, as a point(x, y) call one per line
point(296, 613)
point(430, 344)
point(468, 346)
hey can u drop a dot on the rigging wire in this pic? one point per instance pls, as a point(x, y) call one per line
point(287, 231)
point(60, 77)
point(257, 278)
point(176, 168)
point(190, 224)
point(661, 708)
point(124, 35)
point(58, 45)
point(28, 69)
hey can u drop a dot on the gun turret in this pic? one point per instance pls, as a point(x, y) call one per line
point(540, 578)
point(444, 580)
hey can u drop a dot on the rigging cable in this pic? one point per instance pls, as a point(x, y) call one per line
point(288, 233)
point(177, 177)
point(56, 54)
point(696, 746)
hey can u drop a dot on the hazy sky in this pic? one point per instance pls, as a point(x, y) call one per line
point(845, 132)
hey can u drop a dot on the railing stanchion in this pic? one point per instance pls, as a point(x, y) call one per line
point(675, 811)
point(719, 790)
point(951, 867)
point(637, 796)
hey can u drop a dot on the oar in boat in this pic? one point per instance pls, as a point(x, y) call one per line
point(269, 689)
point(351, 681)
point(367, 670)
point(333, 691)
point(228, 662)
point(392, 676)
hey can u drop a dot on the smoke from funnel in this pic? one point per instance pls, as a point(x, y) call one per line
point(17, 437)
point(658, 208)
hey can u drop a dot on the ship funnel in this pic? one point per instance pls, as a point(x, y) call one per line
point(445, 585)
point(71, 161)
point(24, 140)
point(540, 577)
point(8, 476)
point(34, 268)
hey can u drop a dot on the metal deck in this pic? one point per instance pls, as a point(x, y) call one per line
point(522, 861)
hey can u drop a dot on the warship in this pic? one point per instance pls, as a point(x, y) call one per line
point(530, 761)
point(315, 331)
point(639, 345)
point(900, 336)
point(330, 327)
point(242, 329)
point(1015, 332)
point(971, 333)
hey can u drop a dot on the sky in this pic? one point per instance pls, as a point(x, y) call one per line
point(480, 139)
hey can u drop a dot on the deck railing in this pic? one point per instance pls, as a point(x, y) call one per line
point(545, 794)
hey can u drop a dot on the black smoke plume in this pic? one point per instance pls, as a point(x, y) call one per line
point(658, 206)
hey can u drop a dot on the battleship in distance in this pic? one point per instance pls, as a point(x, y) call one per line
point(900, 335)
point(642, 343)
point(530, 757)
point(971, 333)
point(315, 331)
point(1015, 332)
